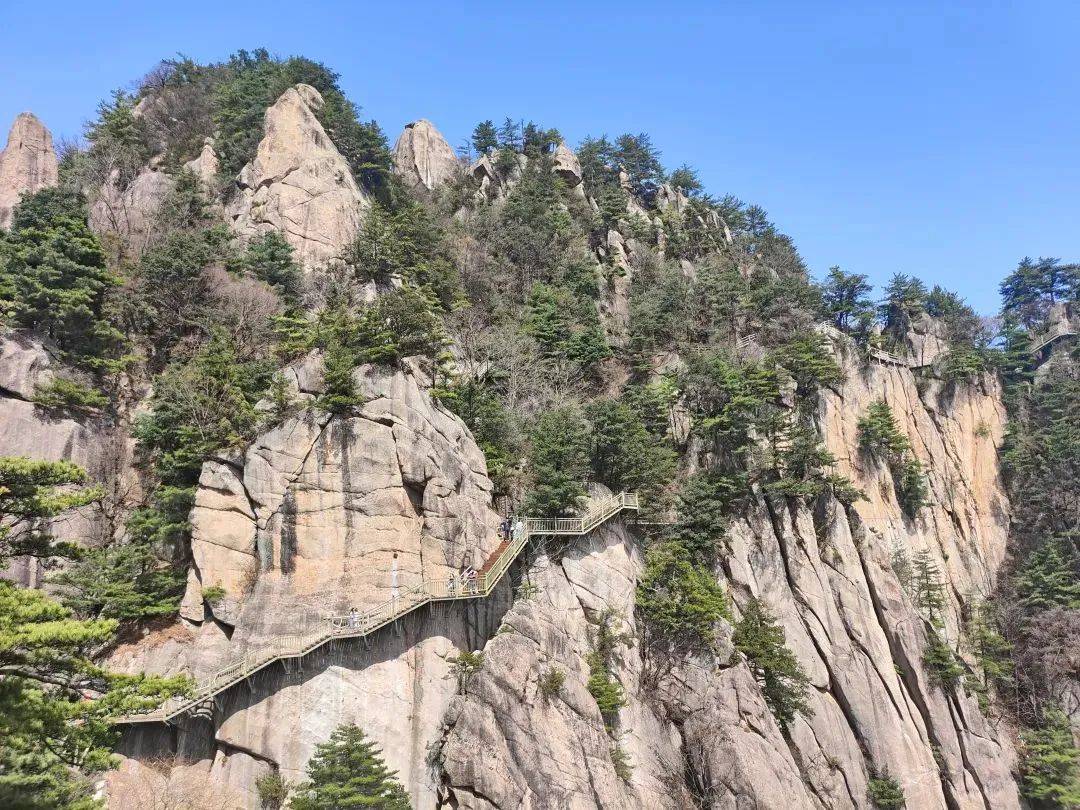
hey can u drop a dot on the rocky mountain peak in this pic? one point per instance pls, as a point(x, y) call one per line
point(422, 156)
point(299, 183)
point(27, 164)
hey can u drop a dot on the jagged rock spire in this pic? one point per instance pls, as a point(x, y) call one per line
point(423, 157)
point(27, 164)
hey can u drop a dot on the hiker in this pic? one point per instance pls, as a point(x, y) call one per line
point(451, 585)
point(519, 529)
point(471, 576)
point(394, 580)
point(504, 528)
point(354, 618)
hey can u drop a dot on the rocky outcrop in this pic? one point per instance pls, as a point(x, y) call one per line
point(507, 744)
point(31, 431)
point(422, 157)
point(27, 164)
point(128, 216)
point(701, 735)
point(299, 184)
point(323, 514)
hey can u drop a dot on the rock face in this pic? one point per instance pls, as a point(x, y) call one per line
point(28, 430)
point(27, 164)
point(299, 184)
point(700, 735)
point(321, 515)
point(130, 214)
point(422, 157)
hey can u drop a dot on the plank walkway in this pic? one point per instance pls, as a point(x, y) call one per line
point(360, 625)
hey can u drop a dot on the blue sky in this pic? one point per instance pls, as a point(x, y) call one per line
point(933, 139)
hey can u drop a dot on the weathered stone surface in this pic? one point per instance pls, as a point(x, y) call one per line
point(206, 166)
point(30, 431)
point(27, 164)
point(130, 214)
point(566, 165)
point(422, 157)
point(299, 184)
point(309, 523)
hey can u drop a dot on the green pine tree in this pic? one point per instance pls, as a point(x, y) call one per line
point(348, 771)
point(53, 277)
point(761, 640)
point(1050, 763)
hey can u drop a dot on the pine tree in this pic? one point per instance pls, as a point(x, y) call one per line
point(484, 138)
point(348, 771)
point(847, 300)
point(1050, 763)
point(31, 494)
point(761, 640)
point(559, 460)
point(269, 258)
point(1049, 578)
point(53, 276)
point(929, 593)
point(51, 736)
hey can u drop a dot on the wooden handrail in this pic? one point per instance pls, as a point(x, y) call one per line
point(358, 625)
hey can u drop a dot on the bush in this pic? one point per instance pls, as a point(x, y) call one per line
point(272, 790)
point(941, 662)
point(885, 792)
point(551, 683)
point(602, 685)
point(62, 393)
point(464, 666)
point(620, 761)
point(783, 682)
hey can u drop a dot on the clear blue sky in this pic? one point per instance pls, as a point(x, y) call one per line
point(934, 139)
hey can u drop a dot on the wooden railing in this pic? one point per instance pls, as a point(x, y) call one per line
point(358, 624)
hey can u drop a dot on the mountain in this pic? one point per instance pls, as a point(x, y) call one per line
point(771, 543)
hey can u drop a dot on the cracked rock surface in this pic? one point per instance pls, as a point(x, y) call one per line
point(299, 184)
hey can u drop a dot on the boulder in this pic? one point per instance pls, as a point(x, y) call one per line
point(566, 165)
point(27, 164)
point(299, 184)
point(422, 157)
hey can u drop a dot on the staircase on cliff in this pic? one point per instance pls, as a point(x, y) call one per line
point(359, 625)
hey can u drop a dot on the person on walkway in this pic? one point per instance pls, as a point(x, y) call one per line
point(451, 585)
point(519, 529)
point(354, 618)
point(470, 575)
point(504, 529)
point(394, 593)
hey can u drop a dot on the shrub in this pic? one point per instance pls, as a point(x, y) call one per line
point(783, 682)
point(62, 393)
point(551, 683)
point(607, 691)
point(941, 662)
point(620, 761)
point(464, 666)
point(272, 790)
point(213, 593)
point(885, 792)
